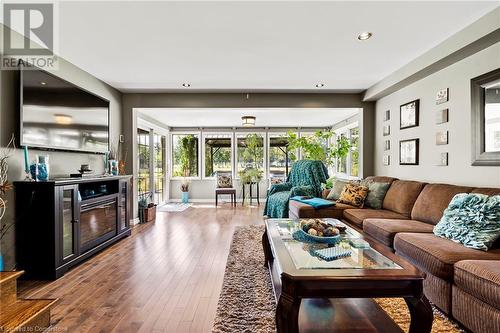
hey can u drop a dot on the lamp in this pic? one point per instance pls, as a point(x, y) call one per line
point(248, 121)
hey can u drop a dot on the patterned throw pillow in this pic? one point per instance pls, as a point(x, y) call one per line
point(376, 193)
point(224, 181)
point(472, 220)
point(338, 186)
point(353, 195)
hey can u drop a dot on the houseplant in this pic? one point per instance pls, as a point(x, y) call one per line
point(252, 153)
point(5, 186)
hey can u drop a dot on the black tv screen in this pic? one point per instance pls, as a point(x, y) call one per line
point(56, 114)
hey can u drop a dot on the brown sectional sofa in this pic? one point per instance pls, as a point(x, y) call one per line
point(462, 282)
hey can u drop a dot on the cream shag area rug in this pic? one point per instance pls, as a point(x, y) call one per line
point(246, 303)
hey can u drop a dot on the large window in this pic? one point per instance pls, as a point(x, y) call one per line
point(280, 159)
point(218, 151)
point(348, 166)
point(143, 156)
point(250, 151)
point(159, 167)
point(185, 155)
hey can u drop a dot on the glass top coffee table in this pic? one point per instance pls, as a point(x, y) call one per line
point(297, 273)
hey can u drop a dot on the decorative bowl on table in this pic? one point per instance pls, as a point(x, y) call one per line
point(318, 231)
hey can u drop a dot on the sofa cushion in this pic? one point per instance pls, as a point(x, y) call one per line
point(402, 195)
point(471, 219)
point(376, 193)
point(337, 188)
point(302, 210)
point(475, 314)
point(353, 195)
point(433, 200)
point(437, 255)
point(480, 278)
point(356, 216)
point(487, 191)
point(384, 230)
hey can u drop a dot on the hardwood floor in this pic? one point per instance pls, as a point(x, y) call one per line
point(166, 277)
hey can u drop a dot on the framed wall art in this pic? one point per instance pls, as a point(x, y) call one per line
point(441, 116)
point(387, 130)
point(409, 152)
point(408, 114)
point(442, 138)
point(442, 96)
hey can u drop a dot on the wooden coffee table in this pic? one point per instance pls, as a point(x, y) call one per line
point(376, 272)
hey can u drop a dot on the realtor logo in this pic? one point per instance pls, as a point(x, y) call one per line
point(34, 21)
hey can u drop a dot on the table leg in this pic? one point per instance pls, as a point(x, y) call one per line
point(287, 314)
point(421, 314)
point(251, 198)
point(243, 200)
point(258, 202)
point(267, 248)
point(216, 199)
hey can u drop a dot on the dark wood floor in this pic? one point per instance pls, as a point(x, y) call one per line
point(166, 277)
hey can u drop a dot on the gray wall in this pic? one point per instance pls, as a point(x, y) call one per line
point(456, 77)
point(61, 163)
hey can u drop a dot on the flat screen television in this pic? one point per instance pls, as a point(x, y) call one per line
point(56, 114)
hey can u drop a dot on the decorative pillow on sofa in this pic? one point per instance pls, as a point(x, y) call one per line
point(336, 190)
point(376, 193)
point(224, 181)
point(353, 195)
point(472, 220)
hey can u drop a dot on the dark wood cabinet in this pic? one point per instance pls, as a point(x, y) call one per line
point(61, 223)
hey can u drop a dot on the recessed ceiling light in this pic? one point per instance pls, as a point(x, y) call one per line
point(43, 83)
point(186, 85)
point(320, 85)
point(365, 35)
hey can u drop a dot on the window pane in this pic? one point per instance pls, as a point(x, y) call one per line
point(217, 154)
point(143, 185)
point(250, 151)
point(185, 155)
point(280, 159)
point(354, 132)
point(159, 153)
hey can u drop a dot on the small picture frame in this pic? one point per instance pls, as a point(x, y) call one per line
point(387, 160)
point(441, 116)
point(387, 115)
point(442, 138)
point(408, 114)
point(387, 130)
point(409, 152)
point(387, 145)
point(442, 96)
point(442, 159)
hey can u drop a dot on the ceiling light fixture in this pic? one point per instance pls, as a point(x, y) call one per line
point(43, 83)
point(248, 121)
point(320, 85)
point(186, 85)
point(365, 35)
point(63, 119)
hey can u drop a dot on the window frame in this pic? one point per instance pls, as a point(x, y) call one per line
point(242, 134)
point(276, 134)
point(346, 131)
point(203, 151)
point(171, 154)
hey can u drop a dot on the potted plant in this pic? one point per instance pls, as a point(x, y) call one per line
point(5, 187)
point(252, 153)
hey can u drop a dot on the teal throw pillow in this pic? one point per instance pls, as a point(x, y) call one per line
point(472, 220)
point(376, 193)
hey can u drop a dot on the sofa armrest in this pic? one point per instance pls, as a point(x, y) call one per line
point(279, 188)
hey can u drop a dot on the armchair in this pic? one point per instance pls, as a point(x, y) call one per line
point(305, 178)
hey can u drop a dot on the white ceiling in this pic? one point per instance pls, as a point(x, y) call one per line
point(254, 45)
point(231, 117)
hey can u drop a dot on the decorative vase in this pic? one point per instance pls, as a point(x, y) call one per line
point(113, 167)
point(40, 169)
point(185, 197)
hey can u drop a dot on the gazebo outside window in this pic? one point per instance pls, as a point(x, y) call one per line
point(280, 159)
point(218, 148)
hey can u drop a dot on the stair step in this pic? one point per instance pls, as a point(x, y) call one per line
point(26, 315)
point(8, 287)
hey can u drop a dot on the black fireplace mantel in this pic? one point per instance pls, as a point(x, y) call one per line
point(61, 222)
